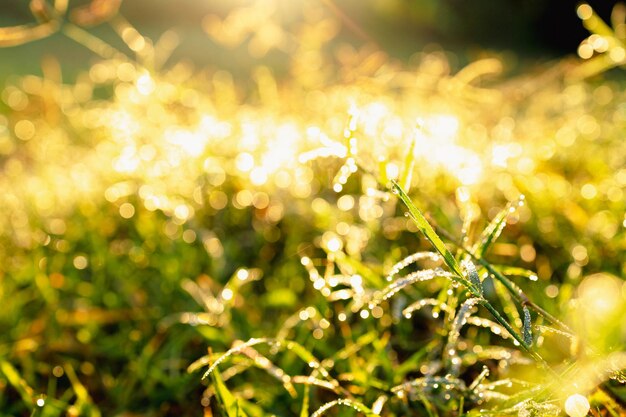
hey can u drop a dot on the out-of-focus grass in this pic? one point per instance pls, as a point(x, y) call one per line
point(151, 209)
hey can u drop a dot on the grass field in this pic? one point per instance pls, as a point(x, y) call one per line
point(307, 225)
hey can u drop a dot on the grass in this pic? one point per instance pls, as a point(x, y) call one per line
point(451, 354)
point(178, 241)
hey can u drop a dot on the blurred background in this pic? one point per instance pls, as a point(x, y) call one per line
point(531, 30)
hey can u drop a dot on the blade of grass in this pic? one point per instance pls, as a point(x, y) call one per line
point(84, 401)
point(430, 409)
point(517, 272)
point(407, 170)
point(305, 402)
point(225, 397)
point(18, 383)
point(427, 230)
point(299, 350)
point(508, 304)
point(346, 403)
point(491, 233)
point(528, 335)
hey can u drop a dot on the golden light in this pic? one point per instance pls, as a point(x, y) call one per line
point(332, 242)
point(584, 11)
point(577, 405)
point(600, 295)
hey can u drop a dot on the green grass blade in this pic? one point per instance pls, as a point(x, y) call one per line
point(345, 402)
point(472, 274)
point(491, 233)
point(527, 332)
point(291, 346)
point(508, 304)
point(305, 402)
point(18, 383)
point(84, 402)
point(596, 25)
point(225, 397)
point(405, 281)
point(460, 320)
point(430, 409)
point(517, 272)
point(407, 170)
point(353, 348)
point(425, 227)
